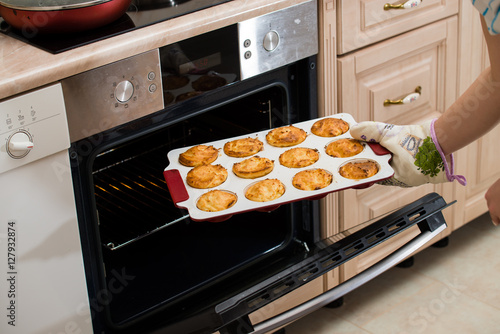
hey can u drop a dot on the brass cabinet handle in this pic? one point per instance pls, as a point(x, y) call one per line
point(403, 4)
point(407, 99)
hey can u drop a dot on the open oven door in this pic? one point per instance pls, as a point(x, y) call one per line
point(231, 315)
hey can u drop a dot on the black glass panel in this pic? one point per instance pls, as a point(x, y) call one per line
point(141, 13)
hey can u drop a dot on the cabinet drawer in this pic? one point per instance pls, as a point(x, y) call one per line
point(425, 58)
point(363, 22)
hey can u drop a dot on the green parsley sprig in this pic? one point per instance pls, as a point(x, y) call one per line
point(428, 160)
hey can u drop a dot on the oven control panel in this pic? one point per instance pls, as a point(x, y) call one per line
point(277, 39)
point(114, 94)
point(32, 126)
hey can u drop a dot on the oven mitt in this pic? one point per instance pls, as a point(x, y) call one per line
point(417, 156)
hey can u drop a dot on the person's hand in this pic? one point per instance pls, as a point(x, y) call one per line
point(417, 159)
point(492, 197)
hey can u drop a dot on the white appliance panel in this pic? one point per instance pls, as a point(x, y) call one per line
point(43, 287)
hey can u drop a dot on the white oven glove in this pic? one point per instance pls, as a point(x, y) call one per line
point(417, 157)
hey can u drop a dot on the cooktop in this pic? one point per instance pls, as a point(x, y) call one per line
point(141, 13)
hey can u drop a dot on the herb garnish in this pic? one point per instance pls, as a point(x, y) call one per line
point(428, 160)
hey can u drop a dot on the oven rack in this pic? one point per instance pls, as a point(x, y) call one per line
point(133, 183)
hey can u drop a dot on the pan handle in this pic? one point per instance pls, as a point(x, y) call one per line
point(176, 185)
point(390, 261)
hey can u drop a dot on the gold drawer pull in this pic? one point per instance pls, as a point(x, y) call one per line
point(409, 4)
point(407, 99)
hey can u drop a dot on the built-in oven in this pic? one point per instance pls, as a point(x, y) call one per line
point(149, 268)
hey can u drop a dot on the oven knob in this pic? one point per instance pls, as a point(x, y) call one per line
point(124, 91)
point(271, 41)
point(19, 144)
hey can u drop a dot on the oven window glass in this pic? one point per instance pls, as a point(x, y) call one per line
point(200, 64)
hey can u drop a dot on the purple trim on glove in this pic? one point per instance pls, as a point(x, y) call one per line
point(449, 169)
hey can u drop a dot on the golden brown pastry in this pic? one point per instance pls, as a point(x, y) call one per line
point(344, 148)
point(199, 155)
point(206, 176)
point(253, 167)
point(299, 157)
point(244, 147)
point(312, 179)
point(329, 127)
point(359, 170)
point(265, 190)
point(286, 136)
point(208, 82)
point(216, 200)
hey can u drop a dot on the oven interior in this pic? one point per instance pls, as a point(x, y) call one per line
point(157, 259)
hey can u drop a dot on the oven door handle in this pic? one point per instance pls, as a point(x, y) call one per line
point(388, 262)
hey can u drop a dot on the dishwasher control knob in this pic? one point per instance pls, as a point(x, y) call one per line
point(19, 144)
point(271, 41)
point(124, 91)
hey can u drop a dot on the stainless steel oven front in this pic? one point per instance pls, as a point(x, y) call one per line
point(149, 267)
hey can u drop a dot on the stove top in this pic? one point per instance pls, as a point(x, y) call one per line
point(140, 14)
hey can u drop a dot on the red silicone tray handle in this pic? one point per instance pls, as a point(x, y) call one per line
point(175, 185)
point(378, 149)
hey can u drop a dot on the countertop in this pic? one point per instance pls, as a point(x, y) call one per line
point(23, 67)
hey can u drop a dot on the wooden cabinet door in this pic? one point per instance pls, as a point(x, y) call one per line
point(364, 22)
point(426, 58)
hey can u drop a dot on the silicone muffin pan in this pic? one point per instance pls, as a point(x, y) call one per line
point(185, 196)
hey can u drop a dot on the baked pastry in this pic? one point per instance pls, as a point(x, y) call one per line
point(199, 155)
point(299, 157)
point(244, 147)
point(286, 136)
point(216, 200)
point(329, 127)
point(312, 179)
point(253, 167)
point(208, 82)
point(206, 176)
point(175, 81)
point(265, 190)
point(359, 170)
point(344, 148)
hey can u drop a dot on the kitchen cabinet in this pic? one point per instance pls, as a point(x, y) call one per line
point(388, 55)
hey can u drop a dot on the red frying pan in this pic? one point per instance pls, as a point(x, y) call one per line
point(61, 16)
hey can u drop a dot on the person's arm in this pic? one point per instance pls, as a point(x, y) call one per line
point(477, 111)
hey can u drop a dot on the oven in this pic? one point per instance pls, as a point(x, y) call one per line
point(140, 264)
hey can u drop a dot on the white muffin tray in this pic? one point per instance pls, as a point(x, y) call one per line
point(185, 196)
